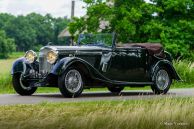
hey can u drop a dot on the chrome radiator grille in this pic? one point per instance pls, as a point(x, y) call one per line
point(44, 66)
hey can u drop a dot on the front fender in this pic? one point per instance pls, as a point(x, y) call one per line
point(18, 66)
point(167, 64)
point(64, 63)
point(61, 66)
point(22, 66)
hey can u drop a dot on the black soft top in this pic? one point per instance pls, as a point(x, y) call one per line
point(153, 48)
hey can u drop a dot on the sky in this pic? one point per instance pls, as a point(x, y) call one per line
point(57, 8)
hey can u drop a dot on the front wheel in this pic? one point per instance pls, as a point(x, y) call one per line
point(162, 81)
point(21, 86)
point(71, 83)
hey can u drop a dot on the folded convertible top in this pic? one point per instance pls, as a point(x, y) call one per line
point(153, 48)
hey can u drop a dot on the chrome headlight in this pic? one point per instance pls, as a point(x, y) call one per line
point(31, 56)
point(52, 56)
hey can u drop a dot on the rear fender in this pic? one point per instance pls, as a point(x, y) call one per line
point(169, 66)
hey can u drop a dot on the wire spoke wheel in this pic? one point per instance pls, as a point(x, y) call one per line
point(73, 81)
point(162, 79)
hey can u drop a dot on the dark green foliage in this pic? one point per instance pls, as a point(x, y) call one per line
point(32, 31)
point(20, 29)
point(170, 22)
point(7, 45)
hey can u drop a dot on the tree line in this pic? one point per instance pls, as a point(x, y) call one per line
point(32, 31)
point(170, 22)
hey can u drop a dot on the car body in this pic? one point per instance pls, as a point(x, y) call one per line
point(96, 61)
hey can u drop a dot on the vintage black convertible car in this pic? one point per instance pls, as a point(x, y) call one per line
point(96, 61)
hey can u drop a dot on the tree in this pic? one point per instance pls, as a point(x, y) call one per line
point(46, 27)
point(170, 22)
point(178, 26)
point(23, 33)
point(32, 31)
point(6, 45)
point(126, 18)
point(43, 27)
point(5, 19)
point(59, 25)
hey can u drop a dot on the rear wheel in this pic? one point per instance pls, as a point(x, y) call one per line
point(116, 89)
point(71, 83)
point(21, 86)
point(162, 81)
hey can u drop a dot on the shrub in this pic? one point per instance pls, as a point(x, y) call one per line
point(7, 45)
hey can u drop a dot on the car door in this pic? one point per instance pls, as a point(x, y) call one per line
point(127, 64)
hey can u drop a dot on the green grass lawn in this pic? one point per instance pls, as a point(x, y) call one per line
point(168, 113)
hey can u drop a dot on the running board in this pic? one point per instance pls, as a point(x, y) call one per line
point(127, 83)
point(133, 83)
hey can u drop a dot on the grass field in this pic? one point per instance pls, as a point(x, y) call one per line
point(184, 68)
point(166, 113)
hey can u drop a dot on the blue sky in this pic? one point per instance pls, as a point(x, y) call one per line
point(58, 8)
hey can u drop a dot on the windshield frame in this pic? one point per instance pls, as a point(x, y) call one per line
point(104, 45)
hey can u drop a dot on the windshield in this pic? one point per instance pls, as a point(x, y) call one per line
point(96, 39)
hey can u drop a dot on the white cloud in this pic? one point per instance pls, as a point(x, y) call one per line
point(3, 5)
point(58, 8)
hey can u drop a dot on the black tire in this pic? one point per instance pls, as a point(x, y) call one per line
point(117, 89)
point(158, 88)
point(17, 85)
point(65, 85)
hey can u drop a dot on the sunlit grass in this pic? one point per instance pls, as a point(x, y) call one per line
point(130, 114)
point(185, 69)
point(5, 76)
